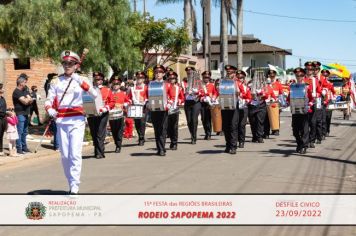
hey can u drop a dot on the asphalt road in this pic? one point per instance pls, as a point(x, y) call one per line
point(271, 167)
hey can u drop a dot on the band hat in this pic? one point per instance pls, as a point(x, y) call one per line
point(190, 68)
point(206, 73)
point(308, 63)
point(98, 74)
point(241, 72)
point(171, 74)
point(156, 67)
point(140, 74)
point(299, 70)
point(70, 56)
point(316, 63)
point(270, 70)
point(325, 70)
point(230, 67)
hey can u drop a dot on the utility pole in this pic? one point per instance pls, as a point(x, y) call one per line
point(135, 5)
point(206, 33)
point(300, 62)
point(144, 7)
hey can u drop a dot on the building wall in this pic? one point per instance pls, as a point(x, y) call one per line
point(254, 60)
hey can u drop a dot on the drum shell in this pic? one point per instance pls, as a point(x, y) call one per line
point(273, 116)
point(135, 111)
point(216, 118)
point(157, 97)
point(92, 105)
point(227, 94)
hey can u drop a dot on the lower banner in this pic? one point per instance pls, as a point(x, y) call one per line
point(180, 209)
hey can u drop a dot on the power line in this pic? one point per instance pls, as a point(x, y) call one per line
point(300, 18)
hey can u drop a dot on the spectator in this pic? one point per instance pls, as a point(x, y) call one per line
point(22, 104)
point(48, 82)
point(34, 108)
point(3, 122)
point(12, 134)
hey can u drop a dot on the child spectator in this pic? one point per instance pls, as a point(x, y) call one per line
point(12, 134)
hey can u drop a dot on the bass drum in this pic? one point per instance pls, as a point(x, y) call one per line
point(216, 118)
point(273, 115)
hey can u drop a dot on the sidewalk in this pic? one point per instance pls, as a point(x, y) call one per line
point(46, 148)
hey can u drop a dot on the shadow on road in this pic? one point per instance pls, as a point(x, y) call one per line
point(89, 157)
point(286, 153)
point(210, 151)
point(140, 154)
point(47, 192)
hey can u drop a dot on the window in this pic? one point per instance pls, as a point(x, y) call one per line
point(22, 64)
point(214, 65)
point(253, 63)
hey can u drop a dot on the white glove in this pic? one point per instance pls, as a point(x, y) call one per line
point(136, 102)
point(195, 90)
point(77, 78)
point(126, 104)
point(169, 106)
point(103, 110)
point(52, 113)
point(258, 91)
point(323, 92)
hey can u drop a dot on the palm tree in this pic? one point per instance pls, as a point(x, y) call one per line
point(239, 34)
point(205, 4)
point(226, 7)
point(189, 19)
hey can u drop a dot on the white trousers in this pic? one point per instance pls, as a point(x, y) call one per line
point(70, 139)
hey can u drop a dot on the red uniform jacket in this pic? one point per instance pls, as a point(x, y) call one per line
point(277, 88)
point(120, 98)
point(172, 94)
point(268, 93)
point(107, 96)
point(140, 93)
point(210, 91)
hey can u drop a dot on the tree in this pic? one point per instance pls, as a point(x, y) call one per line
point(239, 34)
point(161, 37)
point(41, 28)
point(190, 21)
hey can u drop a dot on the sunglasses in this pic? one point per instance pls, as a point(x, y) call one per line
point(68, 63)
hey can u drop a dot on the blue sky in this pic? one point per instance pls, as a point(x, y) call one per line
point(326, 41)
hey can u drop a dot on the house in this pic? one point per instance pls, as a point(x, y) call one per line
point(37, 70)
point(255, 53)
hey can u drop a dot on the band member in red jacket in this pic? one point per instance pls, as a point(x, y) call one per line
point(315, 124)
point(300, 121)
point(244, 99)
point(160, 118)
point(138, 95)
point(116, 117)
point(277, 90)
point(209, 97)
point(192, 104)
point(230, 120)
point(329, 95)
point(97, 124)
point(269, 98)
point(175, 99)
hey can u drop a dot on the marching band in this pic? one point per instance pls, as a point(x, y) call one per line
point(226, 105)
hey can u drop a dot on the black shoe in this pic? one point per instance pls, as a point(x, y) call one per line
point(303, 151)
point(26, 150)
point(221, 133)
point(218, 133)
point(194, 141)
point(161, 153)
point(276, 132)
point(327, 135)
point(318, 141)
point(260, 140)
point(141, 142)
point(173, 146)
point(207, 137)
point(227, 150)
point(117, 149)
point(323, 137)
point(254, 140)
point(265, 136)
point(311, 145)
point(298, 149)
point(99, 156)
point(241, 145)
point(233, 151)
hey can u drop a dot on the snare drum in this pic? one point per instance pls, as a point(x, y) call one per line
point(135, 111)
